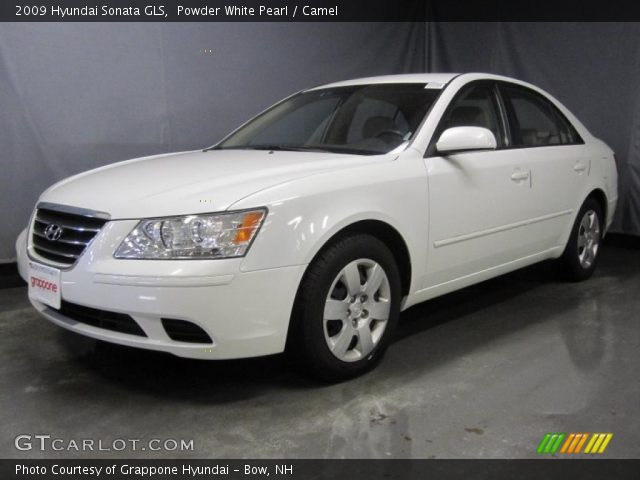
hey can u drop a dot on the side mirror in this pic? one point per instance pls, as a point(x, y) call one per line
point(465, 139)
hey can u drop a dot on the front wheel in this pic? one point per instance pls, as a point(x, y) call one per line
point(582, 251)
point(347, 307)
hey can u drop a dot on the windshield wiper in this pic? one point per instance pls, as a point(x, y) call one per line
point(299, 148)
point(273, 147)
point(282, 148)
point(316, 148)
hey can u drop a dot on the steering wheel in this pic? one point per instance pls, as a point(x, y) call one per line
point(391, 131)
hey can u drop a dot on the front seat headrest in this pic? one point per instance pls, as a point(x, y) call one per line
point(467, 116)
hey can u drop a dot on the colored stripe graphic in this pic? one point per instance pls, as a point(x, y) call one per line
point(573, 443)
point(598, 443)
point(594, 437)
point(581, 443)
point(550, 443)
point(543, 443)
point(566, 445)
point(607, 439)
point(557, 443)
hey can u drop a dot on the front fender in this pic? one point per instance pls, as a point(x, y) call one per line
point(305, 214)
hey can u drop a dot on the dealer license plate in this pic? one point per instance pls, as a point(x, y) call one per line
point(44, 284)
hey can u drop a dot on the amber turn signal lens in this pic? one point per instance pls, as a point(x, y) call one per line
point(250, 224)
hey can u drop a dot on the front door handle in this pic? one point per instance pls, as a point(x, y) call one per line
point(519, 176)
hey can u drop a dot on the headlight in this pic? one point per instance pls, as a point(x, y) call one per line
point(216, 235)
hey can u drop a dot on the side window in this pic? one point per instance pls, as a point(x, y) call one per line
point(568, 133)
point(535, 122)
point(474, 107)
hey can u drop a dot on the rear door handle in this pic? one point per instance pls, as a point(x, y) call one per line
point(579, 167)
point(519, 176)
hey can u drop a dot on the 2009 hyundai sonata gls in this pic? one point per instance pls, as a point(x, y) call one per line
point(314, 224)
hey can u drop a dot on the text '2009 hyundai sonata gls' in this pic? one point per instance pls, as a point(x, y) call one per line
point(314, 224)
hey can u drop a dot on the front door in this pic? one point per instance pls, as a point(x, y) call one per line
point(479, 202)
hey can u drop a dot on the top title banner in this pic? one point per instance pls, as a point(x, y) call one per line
point(211, 10)
point(179, 12)
point(312, 10)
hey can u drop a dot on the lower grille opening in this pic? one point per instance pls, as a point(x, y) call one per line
point(117, 322)
point(183, 331)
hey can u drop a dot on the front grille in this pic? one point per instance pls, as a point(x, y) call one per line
point(75, 233)
point(183, 331)
point(116, 322)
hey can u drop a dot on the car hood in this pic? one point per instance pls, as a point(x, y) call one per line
point(191, 182)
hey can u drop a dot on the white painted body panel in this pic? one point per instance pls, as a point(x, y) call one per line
point(463, 220)
point(194, 182)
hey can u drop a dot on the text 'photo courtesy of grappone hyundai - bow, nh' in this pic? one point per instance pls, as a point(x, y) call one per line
point(312, 226)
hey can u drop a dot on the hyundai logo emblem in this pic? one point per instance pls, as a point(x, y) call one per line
point(53, 232)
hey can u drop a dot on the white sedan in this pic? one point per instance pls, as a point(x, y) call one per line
point(314, 224)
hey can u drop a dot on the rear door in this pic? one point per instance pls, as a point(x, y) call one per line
point(547, 145)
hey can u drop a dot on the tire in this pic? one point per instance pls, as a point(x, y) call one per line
point(581, 254)
point(355, 279)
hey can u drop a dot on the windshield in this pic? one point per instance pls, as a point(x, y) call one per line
point(360, 119)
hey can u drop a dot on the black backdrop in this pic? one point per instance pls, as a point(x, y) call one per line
point(76, 96)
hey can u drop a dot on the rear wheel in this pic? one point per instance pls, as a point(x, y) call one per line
point(347, 308)
point(582, 251)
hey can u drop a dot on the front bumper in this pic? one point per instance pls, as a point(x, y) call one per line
point(246, 314)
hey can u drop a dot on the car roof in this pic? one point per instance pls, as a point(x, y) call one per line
point(433, 80)
point(428, 78)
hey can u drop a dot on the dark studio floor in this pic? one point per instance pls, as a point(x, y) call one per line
point(484, 372)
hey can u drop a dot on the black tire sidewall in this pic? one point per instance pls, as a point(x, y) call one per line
point(312, 297)
point(573, 269)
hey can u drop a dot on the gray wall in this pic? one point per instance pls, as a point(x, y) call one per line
point(77, 96)
point(593, 68)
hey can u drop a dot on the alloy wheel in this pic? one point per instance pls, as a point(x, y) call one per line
point(357, 310)
point(588, 239)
